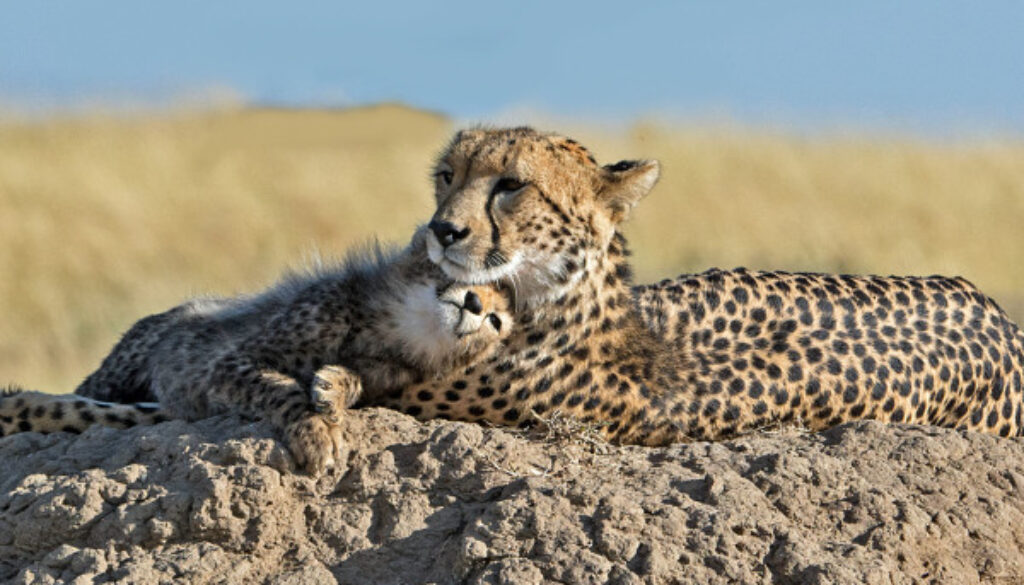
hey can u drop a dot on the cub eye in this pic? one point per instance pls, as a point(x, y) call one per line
point(508, 184)
point(445, 176)
point(494, 321)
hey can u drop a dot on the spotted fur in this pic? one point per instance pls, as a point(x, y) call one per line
point(22, 411)
point(701, 357)
point(296, 355)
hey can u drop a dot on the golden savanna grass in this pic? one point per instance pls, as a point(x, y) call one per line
point(104, 220)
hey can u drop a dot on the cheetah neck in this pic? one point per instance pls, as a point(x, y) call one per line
point(586, 354)
point(595, 292)
point(564, 351)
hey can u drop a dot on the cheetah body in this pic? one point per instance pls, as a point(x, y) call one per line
point(315, 342)
point(703, 356)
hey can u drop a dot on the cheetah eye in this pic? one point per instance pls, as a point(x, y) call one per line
point(507, 184)
point(494, 321)
point(445, 176)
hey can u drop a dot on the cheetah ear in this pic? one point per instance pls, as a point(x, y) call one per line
point(625, 183)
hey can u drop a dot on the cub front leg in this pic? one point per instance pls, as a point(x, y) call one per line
point(313, 439)
point(334, 389)
point(250, 379)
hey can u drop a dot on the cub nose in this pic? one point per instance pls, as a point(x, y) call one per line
point(472, 303)
point(446, 232)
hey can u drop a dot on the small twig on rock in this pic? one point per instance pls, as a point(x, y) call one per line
point(561, 428)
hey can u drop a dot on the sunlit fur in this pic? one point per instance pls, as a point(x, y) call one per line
point(698, 357)
point(547, 232)
point(379, 321)
point(702, 356)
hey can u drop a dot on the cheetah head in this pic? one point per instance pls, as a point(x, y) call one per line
point(530, 209)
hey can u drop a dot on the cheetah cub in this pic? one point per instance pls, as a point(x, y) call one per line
point(465, 322)
point(296, 355)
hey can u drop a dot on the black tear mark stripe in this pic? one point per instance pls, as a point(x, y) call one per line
point(494, 256)
point(488, 206)
point(489, 210)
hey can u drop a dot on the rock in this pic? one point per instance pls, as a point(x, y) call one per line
point(441, 502)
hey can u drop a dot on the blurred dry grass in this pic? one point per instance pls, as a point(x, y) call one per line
point(105, 220)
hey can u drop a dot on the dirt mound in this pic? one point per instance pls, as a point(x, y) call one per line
point(216, 501)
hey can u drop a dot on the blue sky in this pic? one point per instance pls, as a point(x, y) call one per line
point(929, 65)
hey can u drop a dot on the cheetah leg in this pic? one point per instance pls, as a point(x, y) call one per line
point(313, 439)
point(333, 390)
point(23, 411)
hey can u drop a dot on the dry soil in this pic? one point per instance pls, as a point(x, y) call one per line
point(218, 502)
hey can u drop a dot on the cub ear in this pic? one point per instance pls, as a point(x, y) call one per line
point(625, 183)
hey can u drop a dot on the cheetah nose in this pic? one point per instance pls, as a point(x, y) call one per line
point(473, 304)
point(446, 232)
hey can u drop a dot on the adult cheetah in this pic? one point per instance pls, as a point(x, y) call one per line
point(701, 357)
point(297, 354)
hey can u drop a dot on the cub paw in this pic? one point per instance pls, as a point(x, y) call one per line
point(334, 389)
point(315, 443)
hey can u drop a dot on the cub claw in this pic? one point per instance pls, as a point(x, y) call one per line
point(315, 444)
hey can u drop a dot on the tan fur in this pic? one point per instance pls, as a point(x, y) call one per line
point(296, 355)
point(22, 411)
point(703, 356)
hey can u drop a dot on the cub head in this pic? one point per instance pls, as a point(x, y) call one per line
point(532, 209)
point(440, 328)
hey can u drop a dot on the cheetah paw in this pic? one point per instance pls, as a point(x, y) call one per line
point(334, 389)
point(315, 443)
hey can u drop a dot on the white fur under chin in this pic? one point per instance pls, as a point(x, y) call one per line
point(536, 284)
point(426, 326)
point(465, 275)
